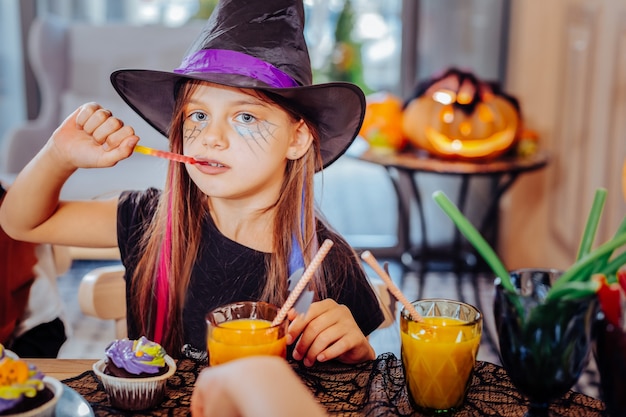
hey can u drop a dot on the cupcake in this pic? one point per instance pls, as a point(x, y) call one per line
point(134, 373)
point(25, 391)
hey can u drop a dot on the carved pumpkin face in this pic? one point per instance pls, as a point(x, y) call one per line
point(458, 116)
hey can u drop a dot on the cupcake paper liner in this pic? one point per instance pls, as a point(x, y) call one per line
point(135, 393)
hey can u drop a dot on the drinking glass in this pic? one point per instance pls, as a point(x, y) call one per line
point(243, 329)
point(544, 345)
point(439, 353)
point(609, 350)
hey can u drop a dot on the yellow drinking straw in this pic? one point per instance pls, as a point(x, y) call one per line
point(304, 280)
point(371, 261)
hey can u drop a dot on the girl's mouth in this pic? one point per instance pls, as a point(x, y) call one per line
point(210, 166)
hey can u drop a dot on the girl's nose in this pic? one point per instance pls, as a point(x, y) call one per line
point(214, 135)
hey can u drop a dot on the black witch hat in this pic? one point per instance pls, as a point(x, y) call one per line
point(258, 45)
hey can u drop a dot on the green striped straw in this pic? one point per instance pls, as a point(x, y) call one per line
point(475, 238)
point(592, 223)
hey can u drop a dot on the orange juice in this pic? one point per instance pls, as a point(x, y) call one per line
point(438, 355)
point(245, 337)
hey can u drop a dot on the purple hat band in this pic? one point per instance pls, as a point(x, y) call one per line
point(225, 61)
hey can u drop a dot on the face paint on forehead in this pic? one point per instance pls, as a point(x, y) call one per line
point(192, 130)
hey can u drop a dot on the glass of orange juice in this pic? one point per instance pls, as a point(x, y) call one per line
point(439, 353)
point(243, 329)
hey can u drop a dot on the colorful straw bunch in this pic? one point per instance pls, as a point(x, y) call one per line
point(163, 154)
point(596, 271)
point(599, 270)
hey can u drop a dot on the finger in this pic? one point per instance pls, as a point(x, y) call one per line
point(112, 156)
point(298, 322)
point(116, 138)
point(85, 111)
point(324, 339)
point(197, 396)
point(202, 395)
point(196, 403)
point(124, 140)
point(112, 132)
point(98, 118)
point(337, 348)
point(314, 338)
point(291, 314)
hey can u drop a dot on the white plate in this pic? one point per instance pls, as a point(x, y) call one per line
point(73, 404)
point(11, 354)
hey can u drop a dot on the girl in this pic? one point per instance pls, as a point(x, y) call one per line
point(235, 224)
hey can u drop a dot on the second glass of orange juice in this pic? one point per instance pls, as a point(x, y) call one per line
point(243, 329)
point(439, 353)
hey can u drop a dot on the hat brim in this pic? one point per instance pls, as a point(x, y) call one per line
point(336, 108)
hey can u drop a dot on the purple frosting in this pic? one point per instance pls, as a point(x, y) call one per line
point(137, 356)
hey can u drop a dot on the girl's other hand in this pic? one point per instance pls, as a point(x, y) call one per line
point(92, 137)
point(328, 331)
point(259, 386)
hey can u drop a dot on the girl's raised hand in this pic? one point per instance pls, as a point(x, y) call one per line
point(328, 331)
point(92, 137)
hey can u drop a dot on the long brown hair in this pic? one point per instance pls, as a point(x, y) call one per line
point(187, 205)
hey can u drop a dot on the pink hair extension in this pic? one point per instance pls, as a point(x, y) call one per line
point(315, 245)
point(163, 271)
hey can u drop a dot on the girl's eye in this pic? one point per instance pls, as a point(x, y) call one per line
point(198, 116)
point(245, 118)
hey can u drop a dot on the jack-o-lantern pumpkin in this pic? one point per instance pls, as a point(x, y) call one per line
point(459, 116)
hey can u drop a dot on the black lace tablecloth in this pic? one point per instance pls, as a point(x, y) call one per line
point(374, 388)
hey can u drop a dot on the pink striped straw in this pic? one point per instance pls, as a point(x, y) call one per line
point(371, 261)
point(304, 281)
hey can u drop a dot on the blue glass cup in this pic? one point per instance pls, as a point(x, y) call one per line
point(544, 345)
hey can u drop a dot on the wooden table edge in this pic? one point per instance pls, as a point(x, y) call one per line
point(62, 368)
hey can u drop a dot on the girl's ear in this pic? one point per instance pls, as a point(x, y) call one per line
point(301, 141)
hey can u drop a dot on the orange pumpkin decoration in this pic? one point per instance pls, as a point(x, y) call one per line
point(12, 371)
point(458, 116)
point(382, 125)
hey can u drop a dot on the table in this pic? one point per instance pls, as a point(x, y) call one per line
point(62, 368)
point(403, 168)
point(373, 388)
